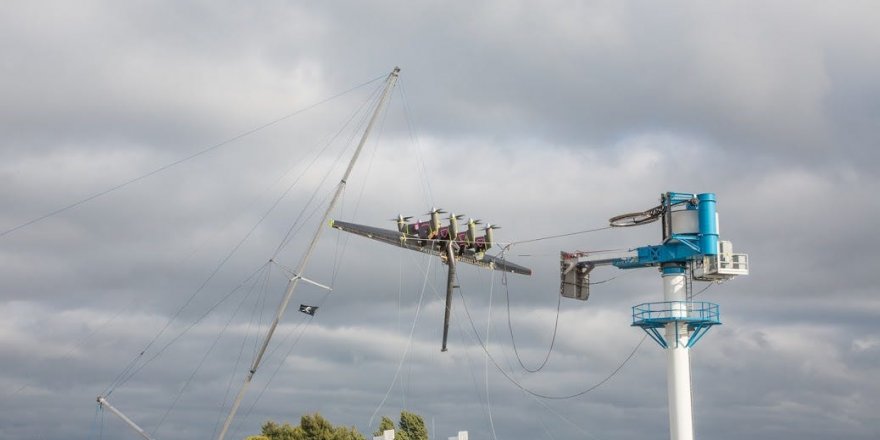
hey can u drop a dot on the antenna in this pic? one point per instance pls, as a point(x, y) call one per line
point(689, 243)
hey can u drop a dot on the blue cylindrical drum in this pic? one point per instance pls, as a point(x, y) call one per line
point(708, 224)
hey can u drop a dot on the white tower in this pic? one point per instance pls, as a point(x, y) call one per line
point(690, 246)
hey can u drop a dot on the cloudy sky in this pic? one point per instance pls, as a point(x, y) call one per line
point(545, 117)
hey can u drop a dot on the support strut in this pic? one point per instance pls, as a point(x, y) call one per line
point(105, 404)
point(450, 284)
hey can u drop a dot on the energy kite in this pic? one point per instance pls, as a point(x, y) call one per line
point(447, 242)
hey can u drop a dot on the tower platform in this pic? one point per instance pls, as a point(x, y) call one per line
point(698, 316)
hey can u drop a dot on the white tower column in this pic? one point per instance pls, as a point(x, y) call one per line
point(678, 374)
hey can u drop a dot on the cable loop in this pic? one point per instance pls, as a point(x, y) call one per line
point(637, 218)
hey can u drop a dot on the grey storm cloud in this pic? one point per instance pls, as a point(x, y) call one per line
point(545, 118)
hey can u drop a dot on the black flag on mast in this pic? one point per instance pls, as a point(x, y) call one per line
point(309, 310)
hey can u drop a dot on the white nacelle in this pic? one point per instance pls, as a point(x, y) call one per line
point(723, 266)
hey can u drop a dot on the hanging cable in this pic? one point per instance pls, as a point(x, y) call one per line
point(338, 192)
point(342, 241)
point(545, 427)
point(202, 361)
point(93, 430)
point(301, 328)
point(558, 303)
point(338, 253)
point(180, 161)
point(101, 425)
point(295, 227)
point(549, 237)
point(279, 199)
point(369, 102)
point(296, 340)
point(704, 289)
point(510, 326)
point(408, 344)
point(486, 359)
point(513, 339)
point(413, 134)
point(563, 418)
point(536, 394)
point(290, 271)
point(134, 371)
point(215, 271)
point(125, 372)
point(258, 305)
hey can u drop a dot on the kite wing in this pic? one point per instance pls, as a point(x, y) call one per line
point(430, 247)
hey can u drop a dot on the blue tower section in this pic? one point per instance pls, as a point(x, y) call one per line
point(690, 243)
point(680, 245)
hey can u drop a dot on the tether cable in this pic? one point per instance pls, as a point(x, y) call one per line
point(558, 236)
point(536, 394)
point(513, 339)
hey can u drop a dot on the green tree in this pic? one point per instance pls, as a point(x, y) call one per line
point(275, 431)
point(315, 427)
point(384, 425)
point(311, 427)
point(412, 427)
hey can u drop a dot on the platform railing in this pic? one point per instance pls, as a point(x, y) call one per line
point(668, 311)
point(698, 317)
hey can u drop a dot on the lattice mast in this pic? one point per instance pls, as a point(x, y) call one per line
point(690, 248)
point(390, 81)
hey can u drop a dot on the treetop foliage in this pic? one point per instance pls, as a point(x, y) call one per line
point(384, 425)
point(315, 427)
point(311, 427)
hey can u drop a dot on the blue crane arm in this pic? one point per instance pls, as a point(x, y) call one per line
point(648, 256)
point(683, 249)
